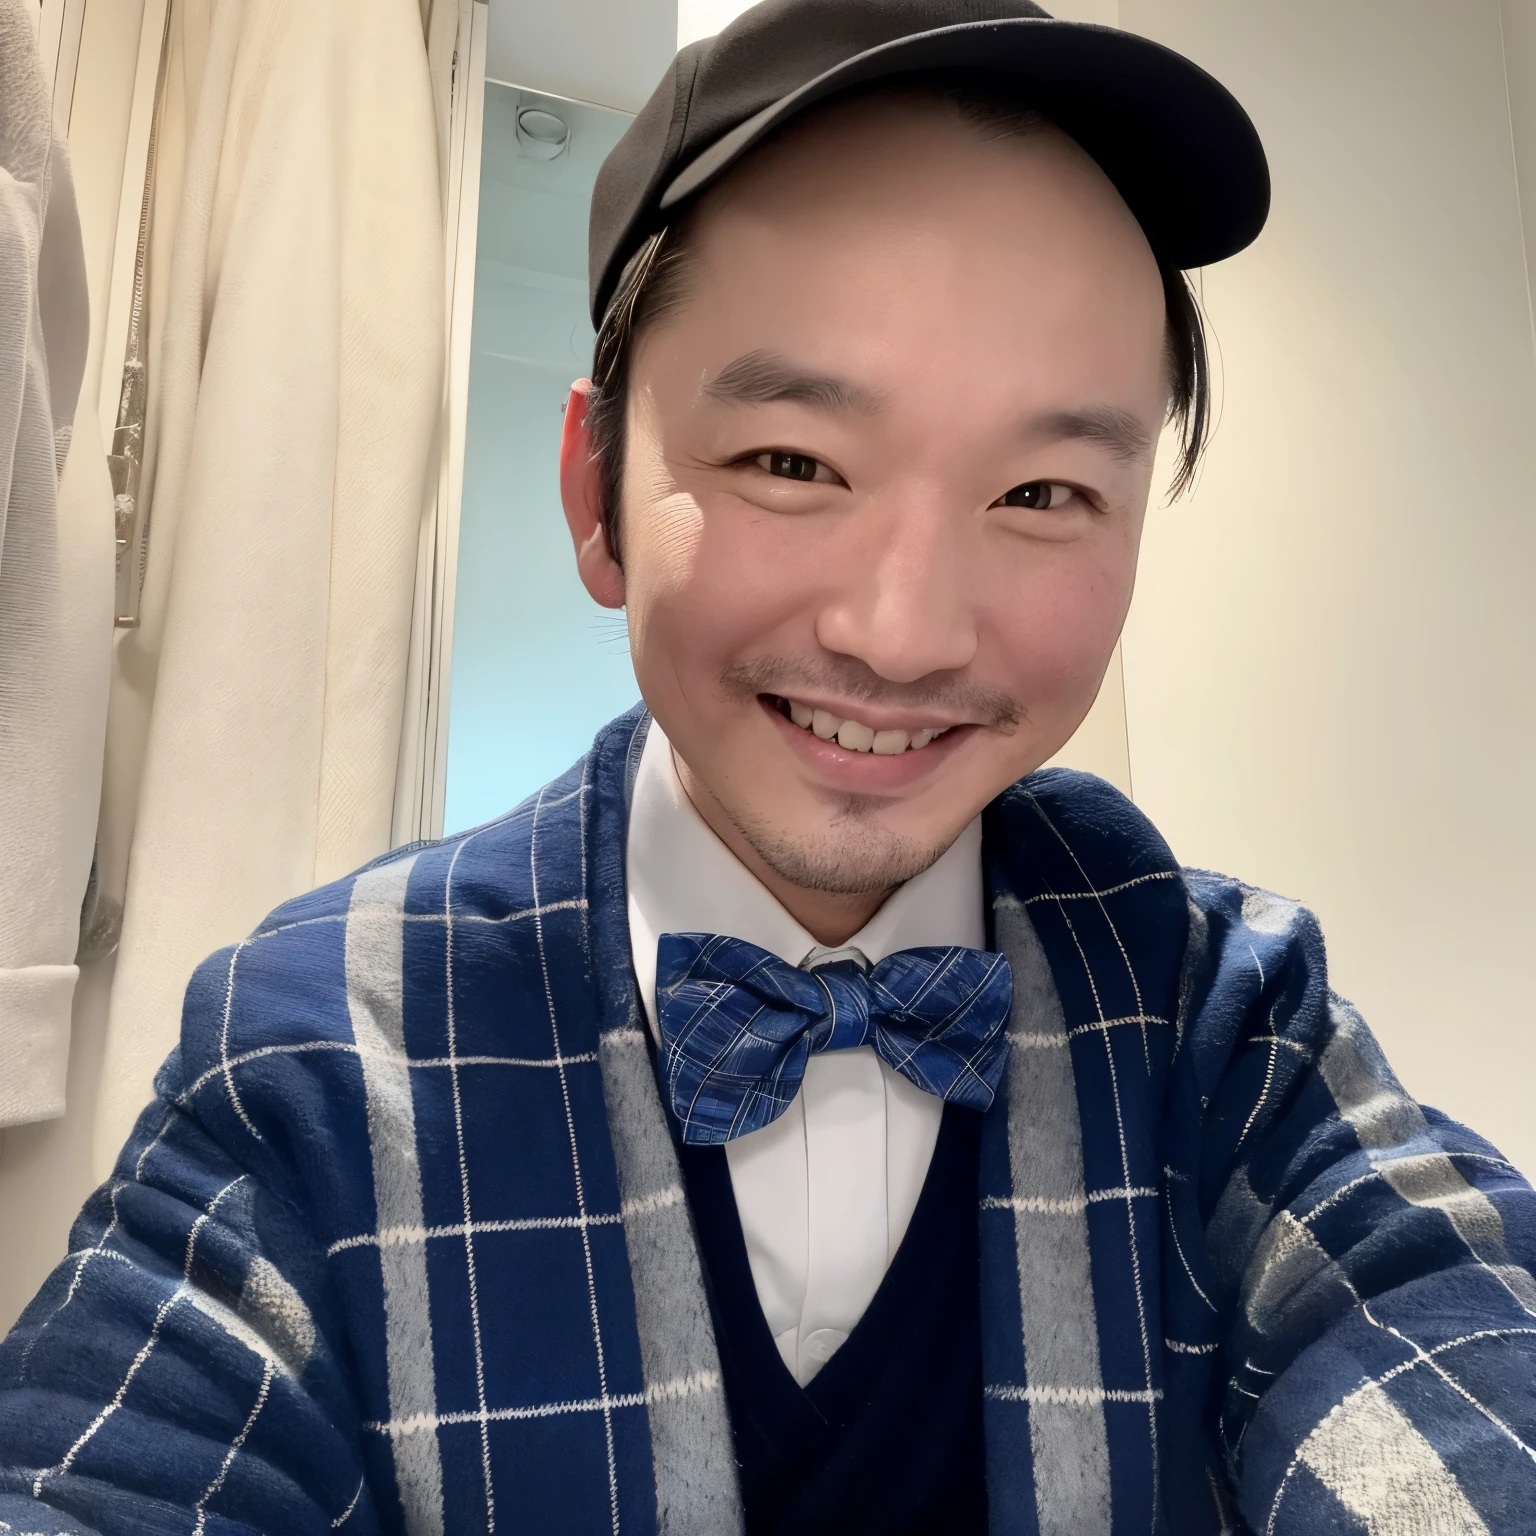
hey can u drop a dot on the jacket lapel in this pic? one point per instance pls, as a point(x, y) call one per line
point(692, 1453)
point(1088, 906)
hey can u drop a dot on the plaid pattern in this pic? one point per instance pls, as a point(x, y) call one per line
point(401, 1244)
point(738, 1026)
point(1234, 1278)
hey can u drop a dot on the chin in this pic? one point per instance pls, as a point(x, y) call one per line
point(855, 853)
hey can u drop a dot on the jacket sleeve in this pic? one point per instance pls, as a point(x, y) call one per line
point(185, 1368)
point(1374, 1259)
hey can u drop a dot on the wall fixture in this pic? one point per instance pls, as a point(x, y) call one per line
point(541, 135)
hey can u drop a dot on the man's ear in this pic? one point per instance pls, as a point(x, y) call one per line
point(581, 491)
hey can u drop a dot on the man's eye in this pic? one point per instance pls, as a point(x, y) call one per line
point(794, 466)
point(1043, 495)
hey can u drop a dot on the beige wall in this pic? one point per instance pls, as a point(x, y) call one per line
point(1331, 660)
point(1104, 13)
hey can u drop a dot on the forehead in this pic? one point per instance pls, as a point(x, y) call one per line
point(897, 226)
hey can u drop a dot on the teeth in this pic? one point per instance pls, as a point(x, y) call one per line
point(855, 737)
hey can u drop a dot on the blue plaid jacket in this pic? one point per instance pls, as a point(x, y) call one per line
point(401, 1245)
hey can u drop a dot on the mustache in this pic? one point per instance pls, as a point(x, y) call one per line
point(849, 678)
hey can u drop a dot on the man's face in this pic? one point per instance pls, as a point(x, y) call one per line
point(886, 471)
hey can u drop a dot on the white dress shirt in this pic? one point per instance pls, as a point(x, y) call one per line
point(826, 1191)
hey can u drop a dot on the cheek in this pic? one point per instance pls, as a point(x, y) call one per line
point(1054, 625)
point(707, 586)
point(661, 577)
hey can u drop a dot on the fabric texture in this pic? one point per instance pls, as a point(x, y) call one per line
point(825, 1192)
point(55, 589)
point(402, 1243)
point(738, 1026)
point(296, 377)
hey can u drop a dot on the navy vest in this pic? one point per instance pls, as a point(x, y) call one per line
point(888, 1435)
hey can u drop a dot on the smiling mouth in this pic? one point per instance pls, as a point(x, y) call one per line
point(853, 735)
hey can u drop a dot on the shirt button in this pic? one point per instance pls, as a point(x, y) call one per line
point(823, 1343)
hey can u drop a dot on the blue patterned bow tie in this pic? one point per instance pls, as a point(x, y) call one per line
point(738, 1026)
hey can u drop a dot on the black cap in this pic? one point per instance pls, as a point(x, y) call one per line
point(1175, 143)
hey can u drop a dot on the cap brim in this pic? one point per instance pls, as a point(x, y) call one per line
point(1174, 141)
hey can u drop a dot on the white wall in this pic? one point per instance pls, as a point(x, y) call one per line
point(611, 52)
point(703, 18)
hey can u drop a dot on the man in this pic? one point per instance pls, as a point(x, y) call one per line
point(804, 1116)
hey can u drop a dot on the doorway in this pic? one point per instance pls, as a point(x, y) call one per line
point(537, 666)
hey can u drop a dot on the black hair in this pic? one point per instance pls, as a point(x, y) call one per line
point(654, 282)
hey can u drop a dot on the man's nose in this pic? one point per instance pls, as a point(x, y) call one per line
point(905, 601)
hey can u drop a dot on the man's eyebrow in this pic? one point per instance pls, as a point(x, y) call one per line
point(756, 378)
point(1106, 425)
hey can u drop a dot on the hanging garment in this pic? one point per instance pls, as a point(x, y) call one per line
point(55, 589)
point(403, 1245)
point(296, 380)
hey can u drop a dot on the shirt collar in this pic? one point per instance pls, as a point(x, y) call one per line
point(682, 879)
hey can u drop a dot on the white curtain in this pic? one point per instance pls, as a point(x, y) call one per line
point(55, 589)
point(295, 377)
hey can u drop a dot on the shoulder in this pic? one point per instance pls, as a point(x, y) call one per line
point(1071, 819)
point(1069, 839)
point(391, 939)
point(1066, 822)
point(1245, 937)
point(1060, 836)
point(482, 872)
